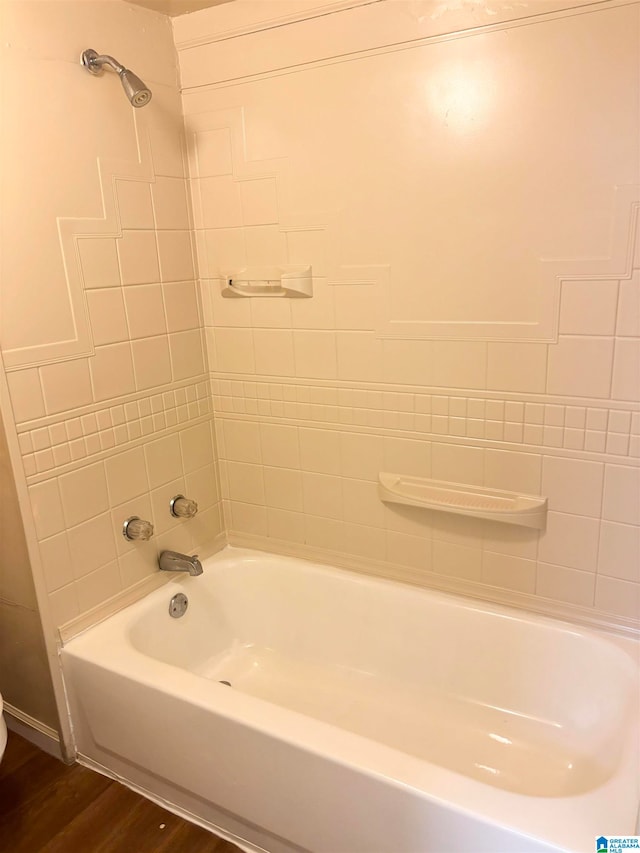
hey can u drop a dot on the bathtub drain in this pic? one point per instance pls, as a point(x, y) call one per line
point(228, 683)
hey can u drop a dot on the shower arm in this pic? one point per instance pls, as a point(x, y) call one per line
point(94, 62)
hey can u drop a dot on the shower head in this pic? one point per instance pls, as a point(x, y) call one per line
point(133, 86)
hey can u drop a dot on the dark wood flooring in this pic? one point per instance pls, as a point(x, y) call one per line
point(48, 807)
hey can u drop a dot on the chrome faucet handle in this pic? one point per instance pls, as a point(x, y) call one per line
point(137, 528)
point(182, 507)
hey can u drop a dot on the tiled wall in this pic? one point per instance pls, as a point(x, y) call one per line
point(102, 324)
point(476, 272)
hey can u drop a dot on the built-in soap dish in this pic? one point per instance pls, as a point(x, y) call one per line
point(494, 504)
point(290, 280)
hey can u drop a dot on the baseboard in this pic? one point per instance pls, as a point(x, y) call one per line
point(37, 733)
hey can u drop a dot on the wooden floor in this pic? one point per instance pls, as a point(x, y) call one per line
point(47, 807)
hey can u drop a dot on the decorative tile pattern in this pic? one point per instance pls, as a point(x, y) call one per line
point(113, 427)
point(549, 425)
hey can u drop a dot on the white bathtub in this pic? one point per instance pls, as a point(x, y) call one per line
point(363, 716)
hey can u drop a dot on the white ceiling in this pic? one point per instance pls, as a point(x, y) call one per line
point(177, 7)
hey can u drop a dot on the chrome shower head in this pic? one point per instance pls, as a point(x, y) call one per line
point(134, 88)
point(139, 95)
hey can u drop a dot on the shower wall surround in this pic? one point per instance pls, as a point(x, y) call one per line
point(464, 180)
point(108, 394)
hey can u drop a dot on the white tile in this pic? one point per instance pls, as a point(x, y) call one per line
point(66, 385)
point(322, 495)
point(356, 310)
point(562, 584)
point(196, 446)
point(47, 508)
point(573, 485)
point(619, 597)
point(619, 551)
point(151, 361)
point(626, 370)
point(84, 493)
point(509, 572)
point(241, 441)
point(459, 364)
point(570, 540)
point(97, 587)
point(181, 306)
point(273, 349)
point(580, 367)
point(99, 261)
point(588, 307)
point(107, 316)
point(56, 562)
point(259, 201)
point(597, 419)
point(407, 456)
point(456, 561)
point(246, 483)
point(595, 441)
point(512, 471)
point(619, 421)
point(621, 494)
point(170, 203)
point(145, 311)
point(628, 324)
point(309, 248)
point(456, 463)
point(175, 256)
point(164, 460)
point(213, 152)
point(359, 356)
point(25, 391)
point(134, 204)
point(361, 503)
point(279, 444)
point(361, 456)
point(361, 541)
point(516, 366)
point(126, 475)
point(187, 354)
point(315, 354)
point(271, 313)
point(234, 350)
point(91, 545)
point(510, 539)
point(138, 255)
point(575, 417)
point(317, 312)
point(319, 450)
point(283, 488)
point(112, 371)
point(220, 202)
point(407, 550)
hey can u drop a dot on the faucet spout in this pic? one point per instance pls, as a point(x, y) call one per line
point(172, 561)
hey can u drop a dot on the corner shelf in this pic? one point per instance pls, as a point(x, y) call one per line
point(493, 504)
point(282, 281)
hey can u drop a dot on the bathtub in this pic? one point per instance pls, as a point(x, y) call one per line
point(299, 707)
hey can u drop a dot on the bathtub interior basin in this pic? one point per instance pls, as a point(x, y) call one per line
point(489, 693)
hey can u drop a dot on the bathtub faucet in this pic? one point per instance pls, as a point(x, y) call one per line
point(172, 561)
